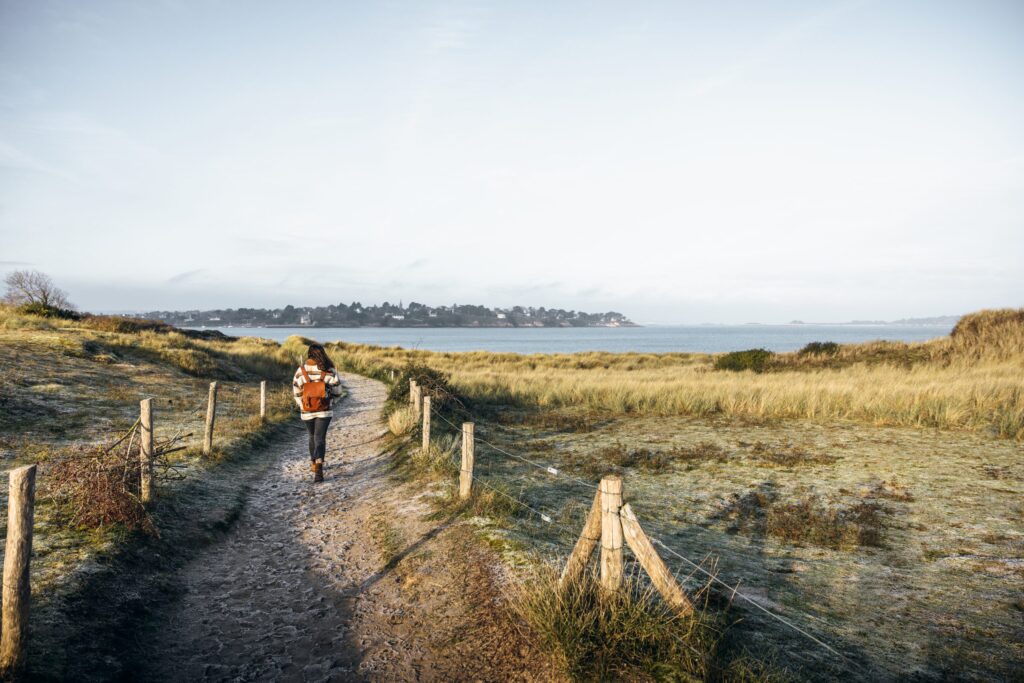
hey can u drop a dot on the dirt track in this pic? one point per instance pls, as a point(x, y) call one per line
point(344, 580)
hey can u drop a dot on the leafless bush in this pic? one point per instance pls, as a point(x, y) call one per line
point(98, 486)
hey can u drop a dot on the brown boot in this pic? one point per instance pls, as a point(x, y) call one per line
point(312, 466)
point(318, 471)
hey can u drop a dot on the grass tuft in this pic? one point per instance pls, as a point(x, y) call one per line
point(628, 635)
point(402, 421)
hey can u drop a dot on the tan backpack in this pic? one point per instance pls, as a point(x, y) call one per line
point(314, 394)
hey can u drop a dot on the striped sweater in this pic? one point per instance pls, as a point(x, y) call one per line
point(333, 382)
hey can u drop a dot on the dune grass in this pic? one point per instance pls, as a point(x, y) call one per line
point(899, 547)
point(70, 384)
point(627, 635)
point(970, 380)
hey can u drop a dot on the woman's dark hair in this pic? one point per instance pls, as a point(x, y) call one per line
point(317, 353)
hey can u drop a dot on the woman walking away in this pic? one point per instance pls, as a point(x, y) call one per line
point(316, 383)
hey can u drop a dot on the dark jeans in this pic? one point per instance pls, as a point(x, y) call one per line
point(317, 428)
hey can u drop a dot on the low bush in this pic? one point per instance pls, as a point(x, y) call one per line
point(807, 520)
point(620, 456)
point(577, 422)
point(435, 383)
point(44, 311)
point(788, 455)
point(819, 349)
point(738, 361)
point(98, 487)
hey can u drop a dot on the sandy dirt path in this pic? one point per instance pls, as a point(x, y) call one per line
point(344, 580)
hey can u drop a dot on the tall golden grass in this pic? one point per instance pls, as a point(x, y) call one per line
point(971, 380)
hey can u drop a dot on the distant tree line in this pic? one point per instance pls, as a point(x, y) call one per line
point(387, 314)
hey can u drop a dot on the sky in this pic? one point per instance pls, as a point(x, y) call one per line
point(679, 162)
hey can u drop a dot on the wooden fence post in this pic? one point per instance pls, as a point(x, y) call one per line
point(146, 450)
point(211, 414)
point(412, 392)
point(426, 424)
point(16, 588)
point(466, 471)
point(611, 533)
point(418, 400)
point(652, 563)
point(263, 401)
point(585, 545)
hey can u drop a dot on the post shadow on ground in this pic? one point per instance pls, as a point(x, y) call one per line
point(350, 658)
point(778, 643)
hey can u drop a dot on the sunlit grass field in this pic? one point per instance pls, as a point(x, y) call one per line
point(870, 496)
point(970, 381)
point(67, 384)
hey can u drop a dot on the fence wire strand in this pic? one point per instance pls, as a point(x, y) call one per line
point(554, 471)
point(734, 590)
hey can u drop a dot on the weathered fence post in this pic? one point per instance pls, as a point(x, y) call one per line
point(466, 471)
point(426, 424)
point(18, 552)
point(412, 392)
point(418, 400)
point(584, 548)
point(146, 450)
point(611, 533)
point(652, 563)
point(263, 401)
point(211, 414)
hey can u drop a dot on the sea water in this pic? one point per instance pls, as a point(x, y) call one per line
point(647, 339)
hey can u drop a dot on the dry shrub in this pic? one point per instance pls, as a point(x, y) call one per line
point(809, 520)
point(788, 455)
point(619, 456)
point(806, 520)
point(99, 487)
point(892, 490)
point(113, 323)
point(579, 422)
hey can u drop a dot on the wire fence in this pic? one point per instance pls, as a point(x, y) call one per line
point(732, 589)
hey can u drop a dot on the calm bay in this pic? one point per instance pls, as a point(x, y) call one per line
point(648, 339)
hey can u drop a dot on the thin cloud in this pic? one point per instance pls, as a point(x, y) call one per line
point(771, 46)
point(185, 277)
point(13, 158)
point(454, 27)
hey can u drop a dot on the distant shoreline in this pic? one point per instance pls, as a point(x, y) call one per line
point(409, 327)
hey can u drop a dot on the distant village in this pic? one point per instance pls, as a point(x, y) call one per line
point(390, 315)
